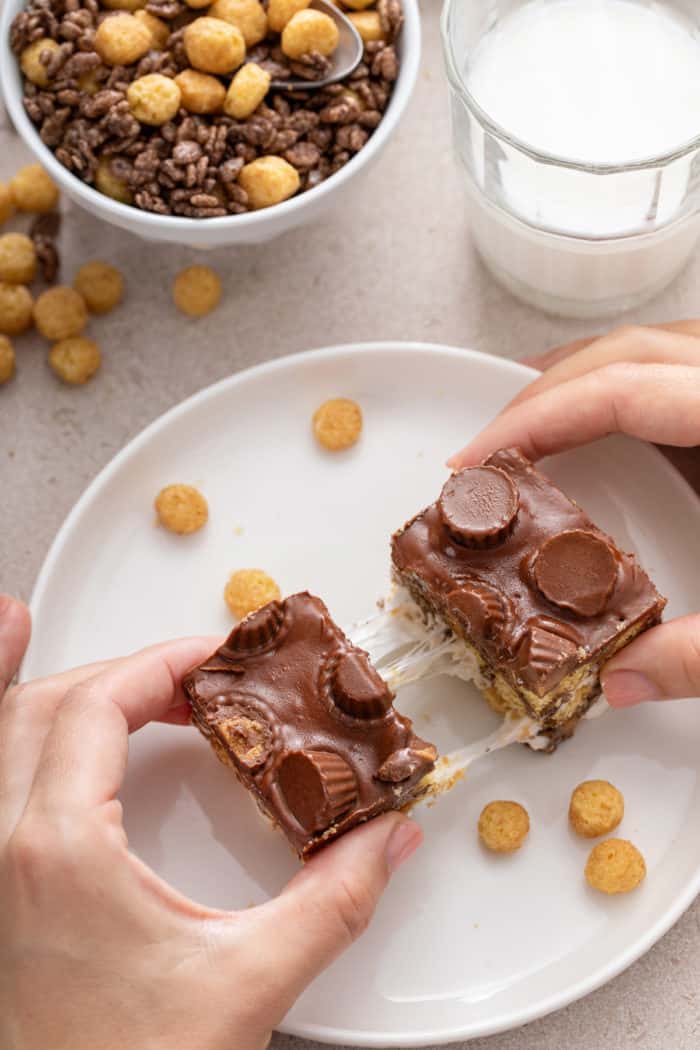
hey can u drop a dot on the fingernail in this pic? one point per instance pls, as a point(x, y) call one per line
point(627, 688)
point(403, 841)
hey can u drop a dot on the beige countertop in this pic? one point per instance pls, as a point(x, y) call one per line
point(397, 265)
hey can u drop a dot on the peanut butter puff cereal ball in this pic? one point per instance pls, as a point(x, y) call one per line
point(247, 15)
point(16, 306)
point(6, 205)
point(7, 359)
point(337, 424)
point(31, 64)
point(596, 808)
point(75, 360)
point(197, 290)
point(310, 31)
point(109, 184)
point(214, 46)
point(358, 5)
point(60, 313)
point(503, 826)
point(17, 258)
point(280, 11)
point(181, 509)
point(33, 189)
point(100, 285)
point(246, 91)
point(122, 39)
point(268, 180)
point(248, 590)
point(368, 24)
point(200, 92)
point(159, 30)
point(153, 99)
point(615, 866)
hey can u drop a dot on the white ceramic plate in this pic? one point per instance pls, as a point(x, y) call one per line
point(464, 944)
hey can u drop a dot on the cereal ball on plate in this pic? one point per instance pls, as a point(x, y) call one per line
point(596, 808)
point(503, 826)
point(280, 11)
point(181, 508)
point(109, 184)
point(309, 31)
point(246, 91)
point(7, 359)
point(197, 290)
point(6, 205)
point(268, 180)
point(17, 258)
point(337, 423)
point(123, 5)
point(615, 866)
point(122, 39)
point(75, 360)
point(159, 30)
point(60, 313)
point(247, 15)
point(200, 92)
point(213, 46)
point(101, 286)
point(30, 60)
point(33, 189)
point(248, 590)
point(368, 24)
point(16, 307)
point(153, 99)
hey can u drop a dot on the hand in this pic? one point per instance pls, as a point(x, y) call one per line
point(96, 951)
point(639, 381)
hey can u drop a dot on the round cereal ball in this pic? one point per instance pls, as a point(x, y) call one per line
point(33, 189)
point(213, 46)
point(337, 424)
point(280, 11)
point(197, 5)
point(503, 826)
point(17, 258)
point(153, 99)
point(200, 92)
point(247, 15)
point(309, 31)
point(357, 5)
point(122, 39)
point(6, 205)
point(75, 360)
point(181, 508)
point(596, 808)
point(16, 308)
point(197, 290)
point(246, 91)
point(100, 285)
point(248, 590)
point(268, 180)
point(615, 866)
point(159, 30)
point(368, 24)
point(108, 183)
point(31, 64)
point(60, 313)
point(7, 359)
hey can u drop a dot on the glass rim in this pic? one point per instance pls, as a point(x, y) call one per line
point(542, 156)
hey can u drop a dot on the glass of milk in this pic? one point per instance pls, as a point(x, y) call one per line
point(578, 125)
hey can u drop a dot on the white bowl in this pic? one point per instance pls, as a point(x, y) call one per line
point(249, 228)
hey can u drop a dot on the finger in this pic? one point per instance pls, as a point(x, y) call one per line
point(15, 628)
point(662, 664)
point(653, 402)
point(560, 353)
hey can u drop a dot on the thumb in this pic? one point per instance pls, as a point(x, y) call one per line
point(662, 664)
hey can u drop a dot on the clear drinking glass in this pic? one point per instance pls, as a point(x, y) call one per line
point(615, 234)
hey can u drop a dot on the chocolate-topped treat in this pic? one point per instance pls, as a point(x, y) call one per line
point(539, 594)
point(307, 723)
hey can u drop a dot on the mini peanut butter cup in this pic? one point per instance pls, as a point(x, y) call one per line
point(318, 787)
point(479, 506)
point(576, 570)
point(257, 631)
point(480, 608)
point(357, 689)
point(408, 763)
point(246, 733)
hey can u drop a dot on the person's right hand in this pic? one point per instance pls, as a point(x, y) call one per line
point(639, 381)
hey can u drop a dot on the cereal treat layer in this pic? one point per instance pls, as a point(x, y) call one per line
point(307, 724)
point(534, 589)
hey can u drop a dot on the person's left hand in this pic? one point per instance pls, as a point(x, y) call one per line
point(96, 951)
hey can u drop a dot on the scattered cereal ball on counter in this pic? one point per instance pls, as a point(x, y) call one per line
point(33, 189)
point(75, 360)
point(503, 826)
point(280, 11)
point(7, 359)
point(121, 39)
point(16, 308)
point(181, 508)
point(108, 183)
point(60, 313)
point(197, 290)
point(159, 30)
point(357, 5)
point(596, 808)
point(309, 31)
point(213, 46)
point(246, 91)
point(368, 24)
point(248, 590)
point(615, 866)
point(31, 64)
point(153, 99)
point(268, 180)
point(247, 15)
point(100, 285)
point(123, 5)
point(17, 258)
point(337, 423)
point(6, 205)
point(200, 93)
